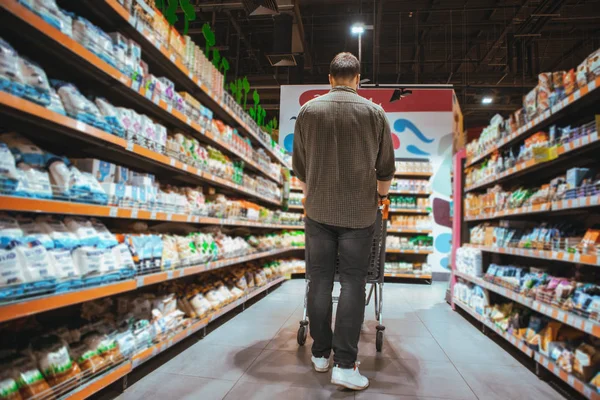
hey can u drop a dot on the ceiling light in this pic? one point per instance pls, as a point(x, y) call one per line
point(487, 100)
point(357, 29)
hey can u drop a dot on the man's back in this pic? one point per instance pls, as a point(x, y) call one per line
point(344, 147)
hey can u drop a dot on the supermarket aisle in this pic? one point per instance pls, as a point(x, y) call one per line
point(429, 352)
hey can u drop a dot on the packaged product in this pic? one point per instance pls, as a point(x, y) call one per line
point(89, 260)
point(594, 64)
point(106, 237)
point(78, 106)
point(558, 84)
point(9, 389)
point(11, 79)
point(88, 359)
point(94, 39)
point(29, 378)
point(38, 269)
point(24, 150)
point(54, 361)
point(66, 271)
point(37, 87)
point(105, 347)
point(58, 232)
point(85, 188)
point(111, 116)
point(8, 169)
point(34, 231)
point(55, 103)
point(581, 76)
point(60, 176)
point(570, 82)
point(84, 230)
point(9, 230)
point(33, 182)
point(544, 91)
point(109, 264)
point(530, 104)
point(123, 257)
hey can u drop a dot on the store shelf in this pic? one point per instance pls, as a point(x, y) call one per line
point(408, 276)
point(100, 382)
point(588, 259)
point(402, 251)
point(560, 205)
point(587, 94)
point(23, 204)
point(583, 324)
point(294, 207)
point(151, 352)
point(295, 188)
point(519, 344)
point(410, 192)
point(410, 210)
point(34, 113)
point(586, 390)
point(33, 306)
point(115, 374)
point(174, 68)
point(392, 229)
point(588, 142)
point(88, 60)
point(415, 174)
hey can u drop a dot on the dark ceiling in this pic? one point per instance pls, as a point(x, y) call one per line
point(483, 48)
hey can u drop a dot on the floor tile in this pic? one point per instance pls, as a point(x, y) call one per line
point(415, 378)
point(207, 360)
point(404, 347)
point(161, 386)
point(368, 395)
point(256, 391)
point(480, 352)
point(505, 383)
point(398, 326)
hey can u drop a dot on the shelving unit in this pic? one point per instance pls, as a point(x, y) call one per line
point(578, 207)
point(62, 57)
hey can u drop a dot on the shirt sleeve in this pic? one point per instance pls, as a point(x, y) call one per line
point(299, 155)
point(385, 165)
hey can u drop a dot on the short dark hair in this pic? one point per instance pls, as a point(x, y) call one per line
point(344, 66)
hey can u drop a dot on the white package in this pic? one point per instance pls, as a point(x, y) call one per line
point(32, 231)
point(88, 260)
point(10, 265)
point(123, 256)
point(64, 266)
point(8, 169)
point(36, 262)
point(9, 230)
point(62, 237)
point(103, 171)
point(84, 230)
point(107, 238)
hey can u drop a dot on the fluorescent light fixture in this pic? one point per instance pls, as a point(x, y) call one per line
point(487, 100)
point(357, 29)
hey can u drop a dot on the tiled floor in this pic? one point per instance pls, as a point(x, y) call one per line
point(430, 352)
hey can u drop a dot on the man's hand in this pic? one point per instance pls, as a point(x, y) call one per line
point(383, 188)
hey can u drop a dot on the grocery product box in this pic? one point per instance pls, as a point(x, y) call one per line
point(103, 171)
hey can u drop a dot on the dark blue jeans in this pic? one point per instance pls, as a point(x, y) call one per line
point(324, 243)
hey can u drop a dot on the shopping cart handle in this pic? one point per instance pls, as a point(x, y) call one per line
point(385, 208)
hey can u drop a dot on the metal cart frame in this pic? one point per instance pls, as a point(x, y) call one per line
point(375, 276)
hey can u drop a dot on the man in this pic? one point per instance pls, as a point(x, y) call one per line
point(344, 159)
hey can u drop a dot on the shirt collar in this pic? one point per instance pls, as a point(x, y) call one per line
point(343, 89)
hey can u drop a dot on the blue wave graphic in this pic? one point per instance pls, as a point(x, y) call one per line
point(401, 124)
point(293, 118)
point(416, 151)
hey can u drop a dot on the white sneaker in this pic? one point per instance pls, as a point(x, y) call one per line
point(349, 378)
point(320, 364)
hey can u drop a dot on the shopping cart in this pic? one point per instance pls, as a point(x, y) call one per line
point(375, 277)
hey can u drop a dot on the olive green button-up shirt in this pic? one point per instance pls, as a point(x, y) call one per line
point(342, 146)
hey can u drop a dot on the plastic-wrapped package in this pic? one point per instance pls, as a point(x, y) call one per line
point(85, 187)
point(109, 264)
point(55, 103)
point(34, 183)
point(8, 170)
point(87, 358)
point(48, 10)
point(66, 270)
point(13, 276)
point(78, 106)
point(29, 378)
point(37, 266)
point(37, 87)
point(54, 360)
point(84, 230)
point(94, 39)
point(24, 149)
point(88, 260)
point(106, 238)
point(111, 116)
point(33, 231)
point(9, 230)
point(60, 177)
point(62, 237)
point(11, 80)
point(123, 259)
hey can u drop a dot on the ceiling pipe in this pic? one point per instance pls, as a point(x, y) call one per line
point(247, 43)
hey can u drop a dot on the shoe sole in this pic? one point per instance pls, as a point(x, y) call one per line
point(326, 369)
point(349, 385)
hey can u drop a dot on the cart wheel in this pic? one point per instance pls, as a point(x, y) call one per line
point(379, 341)
point(302, 335)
